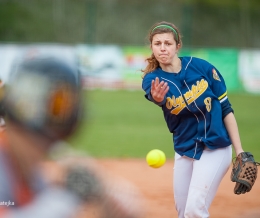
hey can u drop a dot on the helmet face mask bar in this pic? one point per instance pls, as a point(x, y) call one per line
point(44, 96)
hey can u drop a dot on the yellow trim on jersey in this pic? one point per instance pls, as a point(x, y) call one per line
point(222, 96)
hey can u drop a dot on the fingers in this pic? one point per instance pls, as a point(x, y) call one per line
point(163, 86)
point(159, 89)
point(244, 189)
point(157, 81)
point(240, 188)
point(157, 85)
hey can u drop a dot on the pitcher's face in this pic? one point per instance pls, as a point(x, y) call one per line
point(164, 48)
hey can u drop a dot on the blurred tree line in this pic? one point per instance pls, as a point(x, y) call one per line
point(203, 23)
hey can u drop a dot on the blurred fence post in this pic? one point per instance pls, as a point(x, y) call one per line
point(91, 15)
point(245, 22)
point(187, 10)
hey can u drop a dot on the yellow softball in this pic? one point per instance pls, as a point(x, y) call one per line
point(155, 158)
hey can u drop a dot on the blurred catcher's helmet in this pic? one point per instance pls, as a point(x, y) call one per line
point(43, 95)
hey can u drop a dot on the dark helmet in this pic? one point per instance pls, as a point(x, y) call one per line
point(43, 95)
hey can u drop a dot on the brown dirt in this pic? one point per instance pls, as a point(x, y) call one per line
point(155, 186)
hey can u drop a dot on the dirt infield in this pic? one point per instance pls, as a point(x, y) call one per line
point(156, 187)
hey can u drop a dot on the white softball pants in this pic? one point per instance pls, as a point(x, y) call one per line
point(196, 181)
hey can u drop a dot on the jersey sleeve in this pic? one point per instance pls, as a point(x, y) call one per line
point(146, 84)
point(219, 88)
point(218, 85)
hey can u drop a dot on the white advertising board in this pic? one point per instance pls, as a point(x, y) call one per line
point(249, 70)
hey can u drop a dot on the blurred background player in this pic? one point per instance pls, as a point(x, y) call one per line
point(2, 111)
point(43, 106)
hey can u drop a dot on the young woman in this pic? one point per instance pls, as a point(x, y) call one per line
point(193, 97)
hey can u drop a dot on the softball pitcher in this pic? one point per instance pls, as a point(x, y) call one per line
point(193, 97)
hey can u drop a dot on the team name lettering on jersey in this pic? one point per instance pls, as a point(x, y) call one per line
point(179, 104)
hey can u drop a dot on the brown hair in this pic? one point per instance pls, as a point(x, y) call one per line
point(158, 28)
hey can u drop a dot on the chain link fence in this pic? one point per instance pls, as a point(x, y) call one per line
point(232, 23)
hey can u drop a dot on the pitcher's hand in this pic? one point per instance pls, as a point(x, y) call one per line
point(159, 90)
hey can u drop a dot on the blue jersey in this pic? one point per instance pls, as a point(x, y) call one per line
point(194, 106)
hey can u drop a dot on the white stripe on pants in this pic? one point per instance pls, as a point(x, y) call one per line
point(196, 181)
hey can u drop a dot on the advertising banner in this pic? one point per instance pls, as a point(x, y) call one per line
point(119, 67)
point(135, 57)
point(249, 70)
point(8, 54)
point(225, 60)
point(101, 66)
point(12, 54)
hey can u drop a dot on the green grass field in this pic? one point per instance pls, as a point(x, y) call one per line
point(125, 124)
